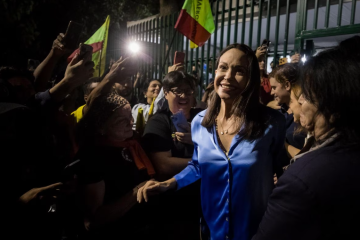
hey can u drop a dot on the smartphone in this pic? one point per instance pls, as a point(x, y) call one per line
point(178, 120)
point(84, 48)
point(179, 57)
point(72, 35)
point(69, 171)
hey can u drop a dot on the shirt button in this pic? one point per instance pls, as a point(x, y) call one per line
point(227, 219)
point(227, 237)
point(228, 180)
point(227, 200)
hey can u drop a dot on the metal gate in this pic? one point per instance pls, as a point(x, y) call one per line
point(286, 23)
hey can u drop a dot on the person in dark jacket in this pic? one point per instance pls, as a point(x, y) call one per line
point(318, 196)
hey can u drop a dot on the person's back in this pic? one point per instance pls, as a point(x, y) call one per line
point(324, 194)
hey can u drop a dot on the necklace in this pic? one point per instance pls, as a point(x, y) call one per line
point(222, 132)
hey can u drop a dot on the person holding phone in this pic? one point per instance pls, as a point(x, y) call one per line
point(237, 142)
point(170, 151)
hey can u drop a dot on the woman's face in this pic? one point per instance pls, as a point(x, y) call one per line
point(295, 107)
point(119, 125)
point(311, 119)
point(153, 89)
point(281, 92)
point(180, 97)
point(262, 65)
point(231, 75)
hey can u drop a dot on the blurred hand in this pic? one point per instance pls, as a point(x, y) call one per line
point(275, 179)
point(184, 137)
point(138, 75)
point(58, 47)
point(274, 105)
point(176, 67)
point(38, 193)
point(295, 58)
point(122, 69)
point(80, 70)
point(153, 187)
point(260, 52)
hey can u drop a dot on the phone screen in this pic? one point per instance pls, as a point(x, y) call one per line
point(72, 35)
point(179, 57)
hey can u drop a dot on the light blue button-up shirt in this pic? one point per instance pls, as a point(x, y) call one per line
point(234, 188)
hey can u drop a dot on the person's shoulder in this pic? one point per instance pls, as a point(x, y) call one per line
point(327, 162)
point(199, 116)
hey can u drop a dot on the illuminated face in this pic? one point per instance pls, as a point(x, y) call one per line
point(153, 89)
point(281, 92)
point(180, 97)
point(231, 75)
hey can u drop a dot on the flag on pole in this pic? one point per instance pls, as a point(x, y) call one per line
point(196, 22)
point(99, 43)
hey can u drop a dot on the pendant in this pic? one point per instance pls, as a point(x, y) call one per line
point(222, 133)
point(226, 131)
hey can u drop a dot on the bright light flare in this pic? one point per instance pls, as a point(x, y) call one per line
point(303, 59)
point(134, 47)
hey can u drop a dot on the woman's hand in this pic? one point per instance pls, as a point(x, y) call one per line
point(79, 70)
point(153, 187)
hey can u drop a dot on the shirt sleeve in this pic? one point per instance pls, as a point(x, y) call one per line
point(289, 211)
point(157, 134)
point(192, 172)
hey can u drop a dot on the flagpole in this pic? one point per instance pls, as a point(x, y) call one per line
point(168, 51)
point(100, 63)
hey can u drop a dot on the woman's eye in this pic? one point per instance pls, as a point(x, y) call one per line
point(222, 67)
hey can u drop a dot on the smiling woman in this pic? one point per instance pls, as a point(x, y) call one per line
point(237, 144)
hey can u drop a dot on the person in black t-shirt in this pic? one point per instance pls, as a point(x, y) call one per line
point(112, 165)
point(170, 151)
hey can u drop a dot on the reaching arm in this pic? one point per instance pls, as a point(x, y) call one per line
point(167, 166)
point(96, 213)
point(43, 72)
point(291, 150)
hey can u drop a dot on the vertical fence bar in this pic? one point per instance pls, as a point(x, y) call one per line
point(187, 54)
point(152, 46)
point(208, 60)
point(327, 13)
point(222, 23)
point(268, 15)
point(143, 64)
point(316, 11)
point(161, 39)
point(169, 38)
point(251, 23)
point(236, 20)
point(276, 31)
point(339, 13)
point(147, 42)
point(191, 58)
point(202, 69)
point(243, 22)
point(305, 15)
point(229, 22)
point(215, 34)
point(197, 66)
point(157, 75)
point(286, 37)
point(176, 44)
point(259, 22)
point(353, 8)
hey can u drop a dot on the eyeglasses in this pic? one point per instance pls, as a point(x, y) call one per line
point(179, 92)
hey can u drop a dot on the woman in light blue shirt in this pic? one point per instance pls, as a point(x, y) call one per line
point(237, 142)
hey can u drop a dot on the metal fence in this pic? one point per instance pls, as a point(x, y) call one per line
point(286, 23)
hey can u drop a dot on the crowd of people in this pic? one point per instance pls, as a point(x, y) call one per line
point(260, 156)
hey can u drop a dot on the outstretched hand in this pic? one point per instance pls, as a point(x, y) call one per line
point(58, 47)
point(153, 187)
point(80, 70)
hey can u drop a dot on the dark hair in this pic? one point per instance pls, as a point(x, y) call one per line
point(86, 86)
point(176, 78)
point(247, 105)
point(286, 72)
point(144, 87)
point(331, 81)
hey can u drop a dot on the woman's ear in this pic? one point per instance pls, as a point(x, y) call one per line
point(166, 94)
point(287, 86)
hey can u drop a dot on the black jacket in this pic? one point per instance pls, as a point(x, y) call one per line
point(318, 197)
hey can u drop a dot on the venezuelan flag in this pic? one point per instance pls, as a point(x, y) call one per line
point(196, 22)
point(99, 43)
